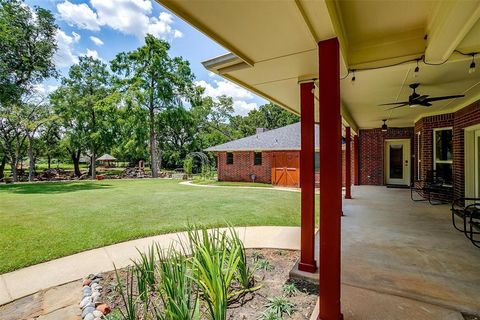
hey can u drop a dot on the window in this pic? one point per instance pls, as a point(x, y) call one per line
point(443, 153)
point(257, 158)
point(419, 156)
point(229, 158)
point(317, 161)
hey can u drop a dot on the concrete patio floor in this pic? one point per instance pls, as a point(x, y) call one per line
point(392, 245)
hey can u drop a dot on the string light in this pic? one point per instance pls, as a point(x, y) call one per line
point(384, 125)
point(472, 65)
point(417, 69)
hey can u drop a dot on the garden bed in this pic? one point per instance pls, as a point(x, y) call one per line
point(271, 276)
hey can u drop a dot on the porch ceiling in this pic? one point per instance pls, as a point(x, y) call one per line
point(273, 46)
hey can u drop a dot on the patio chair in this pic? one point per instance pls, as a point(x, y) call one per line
point(468, 210)
point(432, 184)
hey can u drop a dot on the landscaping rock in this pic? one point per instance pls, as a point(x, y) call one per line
point(87, 282)
point(87, 311)
point(84, 302)
point(89, 316)
point(104, 308)
point(98, 313)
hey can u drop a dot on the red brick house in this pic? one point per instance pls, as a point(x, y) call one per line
point(271, 156)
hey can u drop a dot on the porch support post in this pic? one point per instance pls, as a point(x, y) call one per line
point(330, 179)
point(348, 164)
point(307, 178)
point(355, 160)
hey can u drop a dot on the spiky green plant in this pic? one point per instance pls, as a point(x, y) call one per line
point(289, 289)
point(280, 306)
point(269, 315)
point(127, 295)
point(263, 265)
point(243, 274)
point(145, 267)
point(256, 256)
point(214, 267)
point(176, 288)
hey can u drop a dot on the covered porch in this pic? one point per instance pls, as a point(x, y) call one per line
point(396, 249)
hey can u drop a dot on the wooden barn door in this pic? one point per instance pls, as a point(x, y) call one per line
point(285, 169)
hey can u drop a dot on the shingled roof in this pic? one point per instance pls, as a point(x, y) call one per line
point(284, 138)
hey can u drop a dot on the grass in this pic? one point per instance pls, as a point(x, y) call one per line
point(44, 221)
point(232, 184)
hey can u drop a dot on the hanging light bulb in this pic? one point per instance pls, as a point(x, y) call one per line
point(417, 69)
point(353, 76)
point(384, 125)
point(471, 69)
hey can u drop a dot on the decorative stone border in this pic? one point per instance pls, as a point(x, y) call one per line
point(93, 308)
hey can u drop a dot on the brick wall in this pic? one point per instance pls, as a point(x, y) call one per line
point(242, 167)
point(371, 143)
point(465, 117)
point(459, 120)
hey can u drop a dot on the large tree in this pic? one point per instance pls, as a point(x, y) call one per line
point(155, 81)
point(81, 104)
point(27, 46)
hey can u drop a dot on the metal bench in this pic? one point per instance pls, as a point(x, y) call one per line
point(468, 210)
point(432, 184)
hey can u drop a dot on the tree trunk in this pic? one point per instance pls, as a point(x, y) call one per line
point(2, 166)
point(31, 161)
point(153, 145)
point(13, 167)
point(76, 162)
point(93, 166)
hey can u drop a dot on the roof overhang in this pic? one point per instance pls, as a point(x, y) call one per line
point(273, 47)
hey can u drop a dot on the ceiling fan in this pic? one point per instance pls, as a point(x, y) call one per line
point(416, 99)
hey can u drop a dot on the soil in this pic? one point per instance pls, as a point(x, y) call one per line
point(251, 305)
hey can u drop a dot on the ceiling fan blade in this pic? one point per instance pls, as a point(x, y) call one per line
point(402, 105)
point(393, 103)
point(421, 98)
point(444, 98)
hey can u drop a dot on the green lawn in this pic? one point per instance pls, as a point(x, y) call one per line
point(44, 221)
point(232, 184)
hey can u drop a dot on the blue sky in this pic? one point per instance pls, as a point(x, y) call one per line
point(103, 28)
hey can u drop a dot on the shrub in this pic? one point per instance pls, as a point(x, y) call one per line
point(289, 289)
point(263, 265)
point(188, 166)
point(280, 306)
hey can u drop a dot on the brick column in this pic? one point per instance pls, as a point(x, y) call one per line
point(330, 179)
point(348, 164)
point(355, 160)
point(307, 178)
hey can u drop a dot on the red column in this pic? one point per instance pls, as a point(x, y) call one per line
point(330, 179)
point(307, 178)
point(348, 164)
point(355, 160)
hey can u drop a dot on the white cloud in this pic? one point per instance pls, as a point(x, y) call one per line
point(79, 15)
point(44, 89)
point(65, 55)
point(238, 94)
point(130, 17)
point(96, 41)
point(91, 53)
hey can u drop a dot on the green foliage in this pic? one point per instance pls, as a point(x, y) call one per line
point(244, 274)
point(279, 306)
point(145, 272)
point(27, 46)
point(269, 314)
point(179, 298)
point(289, 289)
point(127, 294)
point(263, 265)
point(188, 165)
point(214, 266)
point(256, 256)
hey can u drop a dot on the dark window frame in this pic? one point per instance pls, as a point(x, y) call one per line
point(445, 157)
point(256, 161)
point(229, 158)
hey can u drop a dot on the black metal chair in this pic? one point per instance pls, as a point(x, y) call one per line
point(468, 210)
point(432, 184)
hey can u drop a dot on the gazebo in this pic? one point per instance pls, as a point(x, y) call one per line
point(106, 159)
